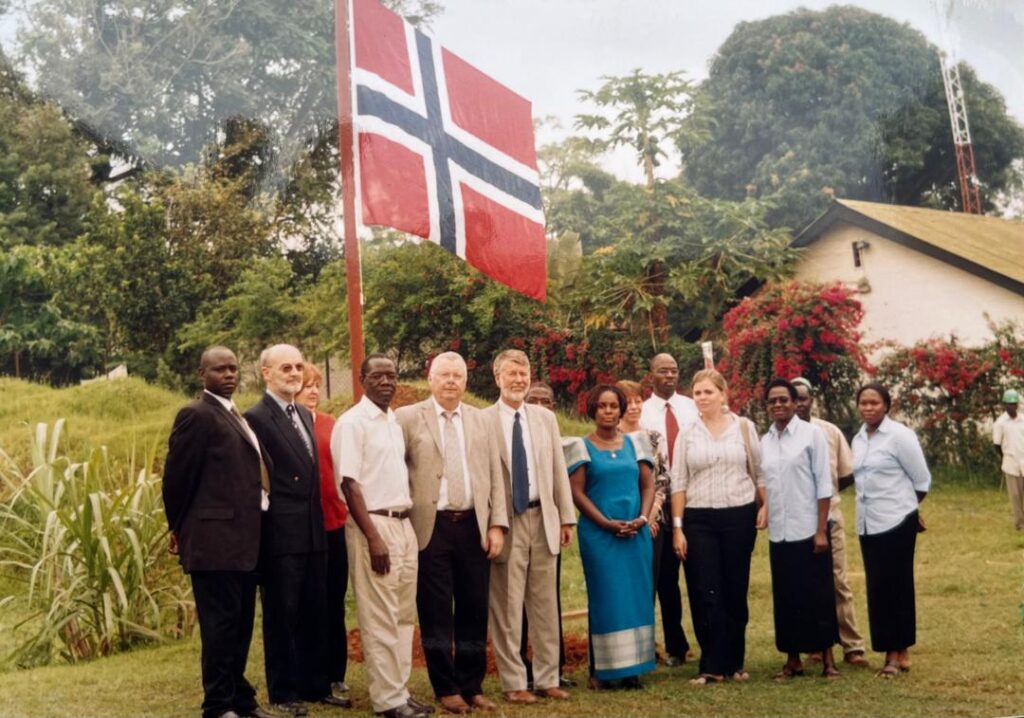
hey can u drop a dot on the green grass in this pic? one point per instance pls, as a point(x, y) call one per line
point(970, 584)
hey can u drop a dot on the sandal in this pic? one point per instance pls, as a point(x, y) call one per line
point(706, 678)
point(741, 675)
point(891, 670)
point(831, 673)
point(596, 684)
point(788, 671)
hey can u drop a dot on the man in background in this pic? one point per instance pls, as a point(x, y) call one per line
point(1008, 436)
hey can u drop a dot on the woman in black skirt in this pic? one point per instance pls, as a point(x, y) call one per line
point(795, 466)
point(892, 479)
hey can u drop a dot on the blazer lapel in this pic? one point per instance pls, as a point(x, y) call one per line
point(232, 421)
point(288, 430)
point(499, 431)
point(431, 421)
point(539, 441)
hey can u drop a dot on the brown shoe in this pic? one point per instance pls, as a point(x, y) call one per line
point(453, 704)
point(520, 697)
point(555, 692)
point(482, 702)
point(856, 658)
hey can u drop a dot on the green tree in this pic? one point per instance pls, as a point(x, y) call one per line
point(810, 105)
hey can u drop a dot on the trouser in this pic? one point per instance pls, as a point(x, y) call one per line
point(226, 605)
point(527, 579)
point(294, 593)
point(889, 574)
point(386, 608)
point(337, 587)
point(849, 637)
point(454, 573)
point(1015, 489)
point(666, 581)
point(524, 644)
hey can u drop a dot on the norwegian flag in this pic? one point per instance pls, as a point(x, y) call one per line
point(445, 152)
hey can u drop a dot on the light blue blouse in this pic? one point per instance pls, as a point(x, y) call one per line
point(795, 466)
point(888, 468)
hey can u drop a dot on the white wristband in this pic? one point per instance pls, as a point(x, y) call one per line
point(677, 522)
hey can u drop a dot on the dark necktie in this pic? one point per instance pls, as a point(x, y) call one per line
point(520, 470)
point(672, 429)
point(293, 414)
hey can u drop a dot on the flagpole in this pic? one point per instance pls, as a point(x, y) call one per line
point(348, 192)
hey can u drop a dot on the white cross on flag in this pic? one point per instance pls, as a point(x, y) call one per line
point(445, 152)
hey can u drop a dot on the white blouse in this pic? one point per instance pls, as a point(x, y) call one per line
point(713, 472)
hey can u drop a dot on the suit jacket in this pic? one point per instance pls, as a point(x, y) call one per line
point(295, 521)
point(211, 489)
point(552, 479)
point(423, 455)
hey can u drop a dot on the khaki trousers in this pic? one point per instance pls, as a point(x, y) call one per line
point(527, 579)
point(386, 608)
point(849, 637)
point(1015, 489)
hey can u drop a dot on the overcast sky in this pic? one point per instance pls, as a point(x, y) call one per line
point(548, 49)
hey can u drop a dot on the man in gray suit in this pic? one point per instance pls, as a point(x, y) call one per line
point(542, 515)
point(459, 516)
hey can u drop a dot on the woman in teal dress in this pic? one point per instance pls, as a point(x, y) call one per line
point(612, 486)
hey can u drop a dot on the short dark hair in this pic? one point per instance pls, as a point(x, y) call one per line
point(779, 381)
point(365, 365)
point(595, 395)
point(882, 392)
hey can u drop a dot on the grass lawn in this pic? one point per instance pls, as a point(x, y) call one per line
point(970, 581)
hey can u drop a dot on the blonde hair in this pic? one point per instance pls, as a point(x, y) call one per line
point(516, 356)
point(712, 376)
point(447, 356)
point(630, 388)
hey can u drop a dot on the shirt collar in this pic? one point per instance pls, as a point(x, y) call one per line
point(440, 410)
point(509, 411)
point(791, 427)
point(883, 427)
point(280, 402)
point(226, 403)
point(373, 411)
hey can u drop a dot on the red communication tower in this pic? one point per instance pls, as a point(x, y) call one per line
point(970, 192)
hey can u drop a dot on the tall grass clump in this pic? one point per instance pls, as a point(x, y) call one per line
point(88, 539)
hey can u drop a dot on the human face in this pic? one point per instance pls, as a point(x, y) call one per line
point(609, 411)
point(871, 407)
point(634, 406)
point(665, 373)
point(309, 395)
point(708, 397)
point(380, 382)
point(804, 402)
point(219, 372)
point(541, 396)
point(447, 380)
point(283, 372)
point(1011, 409)
point(514, 381)
point(780, 406)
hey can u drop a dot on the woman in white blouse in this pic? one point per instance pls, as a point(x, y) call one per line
point(892, 478)
point(718, 503)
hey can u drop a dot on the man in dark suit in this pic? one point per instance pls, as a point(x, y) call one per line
point(294, 553)
point(212, 496)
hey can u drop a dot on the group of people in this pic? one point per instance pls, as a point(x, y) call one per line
point(454, 517)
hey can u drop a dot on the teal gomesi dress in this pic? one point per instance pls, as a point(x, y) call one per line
point(618, 571)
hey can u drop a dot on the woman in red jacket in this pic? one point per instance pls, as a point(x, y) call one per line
point(335, 514)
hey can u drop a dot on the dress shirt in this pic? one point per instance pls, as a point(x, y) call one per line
point(236, 415)
point(840, 457)
point(888, 468)
point(713, 472)
point(367, 446)
point(794, 463)
point(296, 422)
point(1008, 434)
point(508, 417)
point(652, 417)
point(442, 499)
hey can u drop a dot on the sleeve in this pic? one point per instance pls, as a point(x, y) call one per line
point(911, 458)
point(820, 465)
point(997, 432)
point(754, 447)
point(642, 448)
point(680, 472)
point(347, 450)
point(575, 452)
point(560, 477)
point(186, 452)
point(844, 455)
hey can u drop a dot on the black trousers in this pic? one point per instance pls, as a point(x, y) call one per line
point(889, 573)
point(226, 605)
point(337, 587)
point(719, 545)
point(803, 597)
point(294, 594)
point(524, 646)
point(666, 583)
point(452, 587)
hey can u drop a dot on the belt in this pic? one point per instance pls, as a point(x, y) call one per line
point(533, 504)
point(455, 516)
point(391, 514)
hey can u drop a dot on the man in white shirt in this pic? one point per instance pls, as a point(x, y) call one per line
point(369, 462)
point(666, 411)
point(1008, 436)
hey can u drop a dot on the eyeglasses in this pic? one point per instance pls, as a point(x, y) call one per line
point(778, 400)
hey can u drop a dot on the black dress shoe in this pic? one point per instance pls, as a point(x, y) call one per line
point(336, 701)
point(339, 687)
point(229, 714)
point(420, 706)
point(673, 661)
point(295, 708)
point(405, 711)
point(564, 682)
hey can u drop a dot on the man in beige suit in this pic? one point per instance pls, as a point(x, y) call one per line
point(459, 516)
point(542, 515)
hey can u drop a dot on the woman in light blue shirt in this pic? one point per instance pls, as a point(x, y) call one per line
point(892, 478)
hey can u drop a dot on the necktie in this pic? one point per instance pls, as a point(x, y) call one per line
point(672, 429)
point(264, 476)
point(453, 463)
point(294, 416)
point(520, 470)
